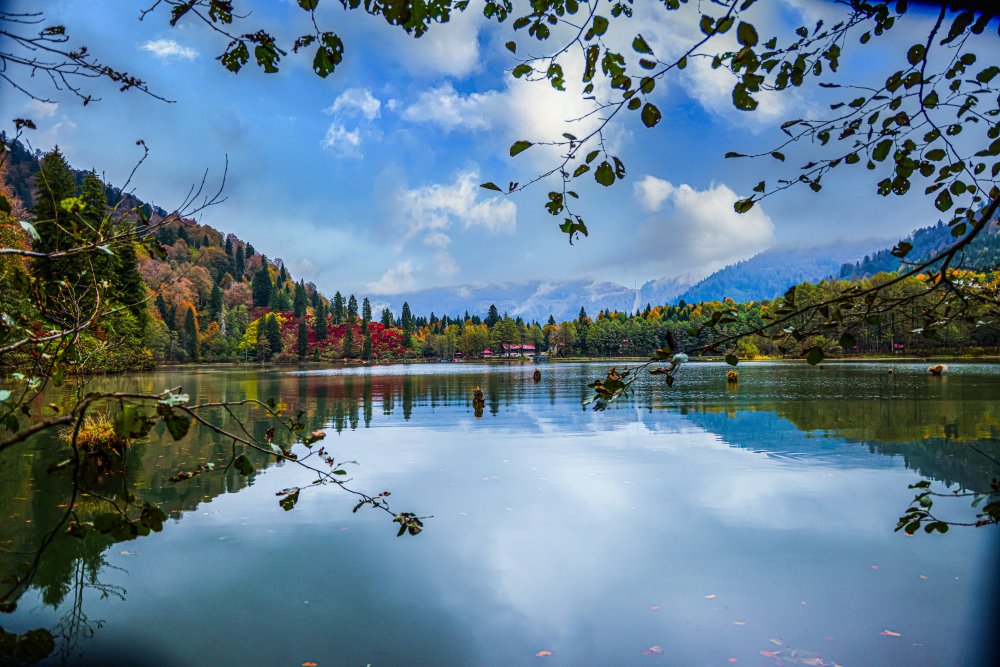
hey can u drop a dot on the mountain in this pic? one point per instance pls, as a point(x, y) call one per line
point(768, 274)
point(531, 300)
point(982, 254)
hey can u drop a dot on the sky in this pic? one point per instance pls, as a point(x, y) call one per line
point(368, 181)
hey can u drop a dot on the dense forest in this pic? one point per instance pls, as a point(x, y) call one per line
point(187, 292)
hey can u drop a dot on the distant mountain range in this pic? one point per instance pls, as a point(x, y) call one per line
point(766, 275)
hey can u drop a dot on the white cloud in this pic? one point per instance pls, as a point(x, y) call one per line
point(342, 142)
point(394, 281)
point(445, 107)
point(40, 109)
point(698, 231)
point(439, 206)
point(451, 49)
point(652, 192)
point(352, 103)
point(168, 48)
point(356, 101)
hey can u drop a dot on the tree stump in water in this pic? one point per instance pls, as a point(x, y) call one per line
point(537, 377)
point(478, 401)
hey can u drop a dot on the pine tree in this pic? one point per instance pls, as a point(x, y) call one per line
point(262, 287)
point(240, 263)
point(338, 308)
point(406, 318)
point(301, 301)
point(320, 314)
point(303, 341)
point(191, 343)
point(273, 333)
point(366, 347)
point(492, 317)
point(250, 251)
point(366, 310)
point(552, 320)
point(386, 318)
point(348, 350)
point(129, 287)
point(215, 302)
point(282, 275)
point(54, 182)
point(352, 310)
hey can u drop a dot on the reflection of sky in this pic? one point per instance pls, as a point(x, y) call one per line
point(558, 529)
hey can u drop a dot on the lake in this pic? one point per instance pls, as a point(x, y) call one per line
point(699, 525)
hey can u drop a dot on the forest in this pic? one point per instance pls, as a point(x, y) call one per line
point(187, 293)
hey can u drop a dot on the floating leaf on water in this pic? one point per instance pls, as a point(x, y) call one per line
point(777, 642)
point(739, 622)
point(731, 660)
point(653, 650)
point(874, 567)
point(654, 607)
point(770, 654)
point(542, 654)
point(890, 633)
point(308, 664)
point(710, 597)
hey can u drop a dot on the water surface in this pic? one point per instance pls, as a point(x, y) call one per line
point(699, 525)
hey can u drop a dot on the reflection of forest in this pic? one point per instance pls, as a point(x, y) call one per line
point(930, 429)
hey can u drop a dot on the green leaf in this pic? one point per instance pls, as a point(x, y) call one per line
point(243, 465)
point(847, 341)
point(605, 174)
point(651, 115)
point(490, 186)
point(288, 502)
point(746, 34)
point(519, 147)
point(916, 53)
point(177, 424)
point(131, 423)
point(743, 205)
point(881, 151)
point(732, 359)
point(814, 355)
point(640, 45)
point(308, 5)
point(521, 70)
point(943, 201)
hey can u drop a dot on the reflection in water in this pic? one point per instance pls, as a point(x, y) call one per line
point(845, 417)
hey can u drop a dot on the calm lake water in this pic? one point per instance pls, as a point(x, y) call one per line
point(699, 525)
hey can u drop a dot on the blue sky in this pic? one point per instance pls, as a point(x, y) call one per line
point(367, 181)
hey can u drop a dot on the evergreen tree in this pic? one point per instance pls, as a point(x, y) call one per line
point(386, 318)
point(352, 310)
point(320, 314)
point(129, 287)
point(314, 299)
point(583, 316)
point(366, 347)
point(552, 320)
point(282, 275)
point(301, 301)
point(338, 308)
point(406, 318)
point(348, 350)
point(229, 246)
point(215, 303)
point(273, 332)
point(366, 311)
point(492, 317)
point(262, 287)
point(303, 340)
point(54, 182)
point(191, 344)
point(250, 251)
point(240, 263)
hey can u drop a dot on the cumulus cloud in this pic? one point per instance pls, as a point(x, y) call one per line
point(40, 109)
point(445, 107)
point(697, 231)
point(354, 102)
point(342, 142)
point(427, 218)
point(444, 205)
point(449, 50)
point(396, 280)
point(360, 107)
point(165, 49)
